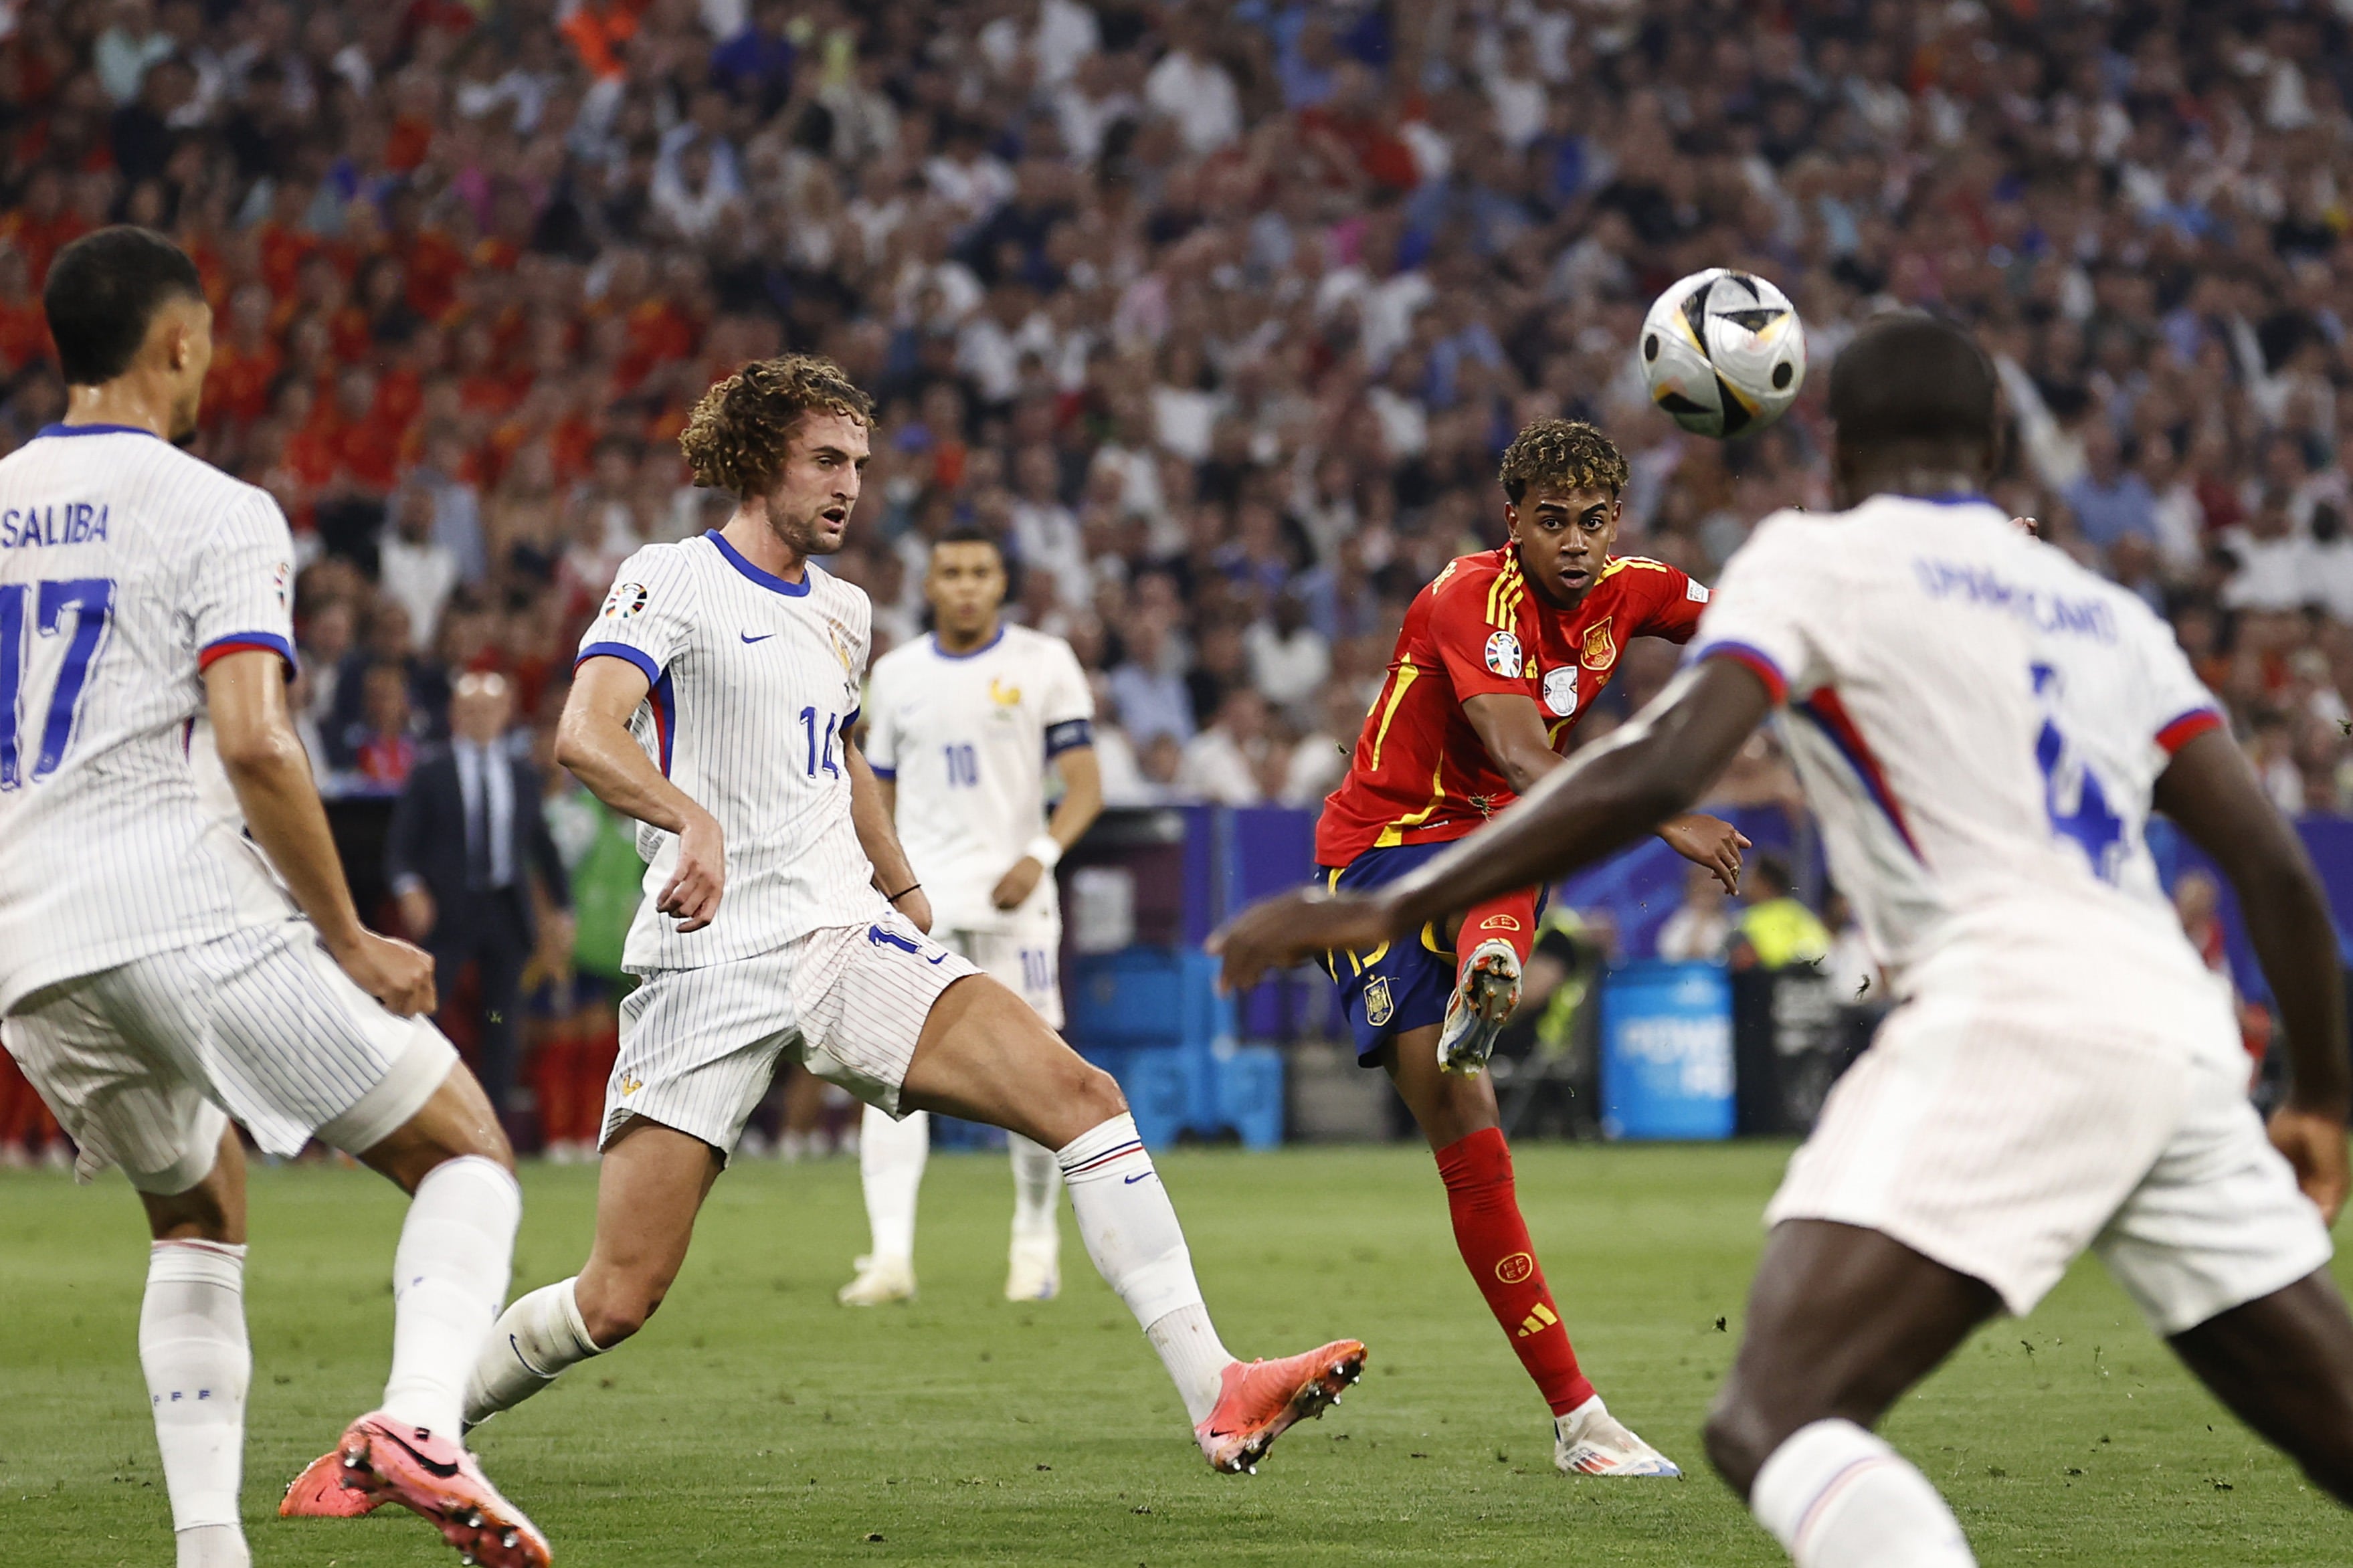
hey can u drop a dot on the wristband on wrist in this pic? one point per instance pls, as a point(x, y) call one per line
point(895, 897)
point(1046, 849)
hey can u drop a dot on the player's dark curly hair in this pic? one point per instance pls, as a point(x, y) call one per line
point(737, 436)
point(1568, 453)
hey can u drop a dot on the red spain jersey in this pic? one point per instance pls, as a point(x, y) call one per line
point(1420, 774)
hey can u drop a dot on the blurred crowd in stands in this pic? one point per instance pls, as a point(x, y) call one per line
point(1217, 314)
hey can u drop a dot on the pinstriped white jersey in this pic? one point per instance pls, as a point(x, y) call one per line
point(967, 737)
point(126, 566)
point(1977, 721)
point(755, 685)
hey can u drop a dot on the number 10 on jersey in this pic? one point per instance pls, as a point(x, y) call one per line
point(91, 600)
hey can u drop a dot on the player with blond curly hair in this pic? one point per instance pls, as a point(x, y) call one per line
point(1501, 657)
point(714, 700)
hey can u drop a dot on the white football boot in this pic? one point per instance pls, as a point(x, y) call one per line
point(1479, 1007)
point(1034, 1272)
point(1590, 1441)
point(880, 1280)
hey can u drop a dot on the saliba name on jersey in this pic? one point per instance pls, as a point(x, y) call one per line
point(67, 522)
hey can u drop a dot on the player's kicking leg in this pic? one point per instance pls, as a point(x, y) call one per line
point(984, 1055)
point(1493, 946)
point(1457, 1114)
point(980, 1053)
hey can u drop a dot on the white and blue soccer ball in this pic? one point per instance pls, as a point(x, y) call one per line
point(1722, 352)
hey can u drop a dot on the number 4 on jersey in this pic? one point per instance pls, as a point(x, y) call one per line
point(2071, 792)
point(92, 600)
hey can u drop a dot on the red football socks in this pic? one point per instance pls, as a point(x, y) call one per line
point(1511, 917)
point(1494, 1243)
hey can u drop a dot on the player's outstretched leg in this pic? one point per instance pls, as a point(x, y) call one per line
point(193, 1349)
point(1457, 1114)
point(1494, 943)
point(985, 1056)
point(1034, 1263)
point(449, 1273)
point(1840, 1321)
point(2284, 1364)
point(891, 1158)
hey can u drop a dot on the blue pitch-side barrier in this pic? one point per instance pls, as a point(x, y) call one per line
point(1149, 1014)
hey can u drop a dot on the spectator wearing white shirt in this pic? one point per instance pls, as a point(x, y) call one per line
point(1149, 689)
point(1221, 762)
point(1190, 87)
point(2275, 566)
point(1046, 533)
point(414, 569)
point(1288, 660)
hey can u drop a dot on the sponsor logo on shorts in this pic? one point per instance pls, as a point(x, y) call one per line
point(1500, 923)
point(1378, 1008)
point(1516, 1267)
point(877, 937)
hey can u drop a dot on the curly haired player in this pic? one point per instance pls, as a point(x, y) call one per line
point(1499, 658)
point(715, 701)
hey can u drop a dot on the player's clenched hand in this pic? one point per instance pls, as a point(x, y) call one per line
point(692, 895)
point(391, 971)
point(1281, 931)
point(2314, 1143)
point(1016, 884)
point(1707, 841)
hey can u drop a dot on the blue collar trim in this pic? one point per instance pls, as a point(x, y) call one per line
point(767, 580)
point(975, 653)
point(94, 430)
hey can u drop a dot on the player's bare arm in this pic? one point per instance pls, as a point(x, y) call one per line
point(1513, 729)
point(869, 810)
point(1081, 803)
point(2211, 790)
point(1600, 801)
point(592, 739)
point(245, 697)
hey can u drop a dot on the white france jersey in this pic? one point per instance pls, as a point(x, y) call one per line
point(1979, 723)
point(126, 567)
point(756, 687)
point(966, 738)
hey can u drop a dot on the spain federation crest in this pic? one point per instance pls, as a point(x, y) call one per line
point(1378, 1005)
point(1601, 649)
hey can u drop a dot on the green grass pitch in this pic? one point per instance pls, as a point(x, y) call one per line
point(755, 1422)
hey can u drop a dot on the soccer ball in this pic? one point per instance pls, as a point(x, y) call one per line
point(1722, 352)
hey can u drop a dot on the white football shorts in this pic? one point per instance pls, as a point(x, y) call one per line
point(2001, 1142)
point(1027, 962)
point(699, 1046)
point(144, 1063)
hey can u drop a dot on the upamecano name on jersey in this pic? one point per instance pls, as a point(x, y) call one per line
point(70, 522)
point(2048, 611)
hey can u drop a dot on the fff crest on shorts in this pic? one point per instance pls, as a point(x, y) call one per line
point(1503, 654)
point(625, 601)
point(1601, 649)
point(1378, 1008)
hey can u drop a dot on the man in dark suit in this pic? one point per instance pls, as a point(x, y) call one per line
point(465, 837)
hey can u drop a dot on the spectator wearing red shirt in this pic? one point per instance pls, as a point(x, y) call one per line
point(41, 223)
point(24, 330)
point(246, 360)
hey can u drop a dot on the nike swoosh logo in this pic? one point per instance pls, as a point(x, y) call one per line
point(444, 1470)
point(1145, 1176)
point(941, 958)
point(747, 636)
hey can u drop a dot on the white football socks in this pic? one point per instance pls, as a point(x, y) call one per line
point(1131, 1234)
point(1836, 1496)
point(448, 1276)
point(192, 1346)
point(1037, 1195)
point(891, 1157)
point(534, 1339)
